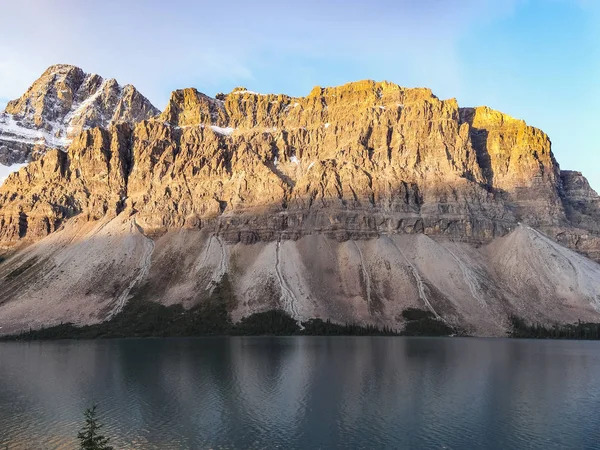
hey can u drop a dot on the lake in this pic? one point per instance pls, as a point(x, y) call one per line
point(304, 392)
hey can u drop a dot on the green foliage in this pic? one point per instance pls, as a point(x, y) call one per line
point(318, 327)
point(144, 319)
point(417, 314)
point(274, 322)
point(427, 327)
point(424, 323)
point(147, 319)
point(141, 318)
point(579, 330)
point(89, 436)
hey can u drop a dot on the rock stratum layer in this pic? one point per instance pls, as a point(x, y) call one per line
point(351, 204)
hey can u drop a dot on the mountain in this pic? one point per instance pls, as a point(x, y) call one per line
point(351, 204)
point(59, 105)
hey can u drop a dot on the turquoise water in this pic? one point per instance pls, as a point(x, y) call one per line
point(304, 392)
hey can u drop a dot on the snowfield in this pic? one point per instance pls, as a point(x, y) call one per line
point(12, 130)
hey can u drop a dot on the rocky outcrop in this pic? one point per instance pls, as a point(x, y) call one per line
point(387, 181)
point(582, 203)
point(90, 179)
point(582, 209)
point(518, 165)
point(59, 105)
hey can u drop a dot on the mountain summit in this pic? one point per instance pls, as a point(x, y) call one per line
point(350, 204)
point(59, 105)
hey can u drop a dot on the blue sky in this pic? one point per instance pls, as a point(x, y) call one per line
point(538, 60)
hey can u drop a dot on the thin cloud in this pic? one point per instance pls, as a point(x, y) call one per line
point(216, 45)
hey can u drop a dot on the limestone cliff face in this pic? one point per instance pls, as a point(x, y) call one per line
point(582, 209)
point(90, 179)
point(376, 196)
point(357, 160)
point(59, 105)
point(353, 161)
point(517, 164)
point(582, 203)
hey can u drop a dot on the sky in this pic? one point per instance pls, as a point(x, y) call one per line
point(538, 60)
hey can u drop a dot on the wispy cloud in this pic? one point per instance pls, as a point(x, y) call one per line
point(215, 45)
point(535, 59)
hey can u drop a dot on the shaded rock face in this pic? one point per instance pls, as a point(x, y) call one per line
point(518, 165)
point(582, 203)
point(59, 105)
point(582, 209)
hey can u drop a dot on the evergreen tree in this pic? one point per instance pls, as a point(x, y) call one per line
point(89, 436)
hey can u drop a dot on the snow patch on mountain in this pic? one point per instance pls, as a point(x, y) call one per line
point(227, 131)
point(81, 108)
point(12, 130)
point(245, 91)
point(59, 105)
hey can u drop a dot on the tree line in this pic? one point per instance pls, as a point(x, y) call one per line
point(143, 318)
point(580, 330)
point(149, 319)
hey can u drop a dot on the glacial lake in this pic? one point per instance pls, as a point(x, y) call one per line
point(304, 393)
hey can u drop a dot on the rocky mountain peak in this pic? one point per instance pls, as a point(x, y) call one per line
point(50, 97)
point(59, 105)
point(189, 107)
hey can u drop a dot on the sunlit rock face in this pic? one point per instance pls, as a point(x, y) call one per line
point(369, 181)
point(59, 105)
point(353, 161)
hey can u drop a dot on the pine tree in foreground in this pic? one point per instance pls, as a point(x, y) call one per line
point(89, 436)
